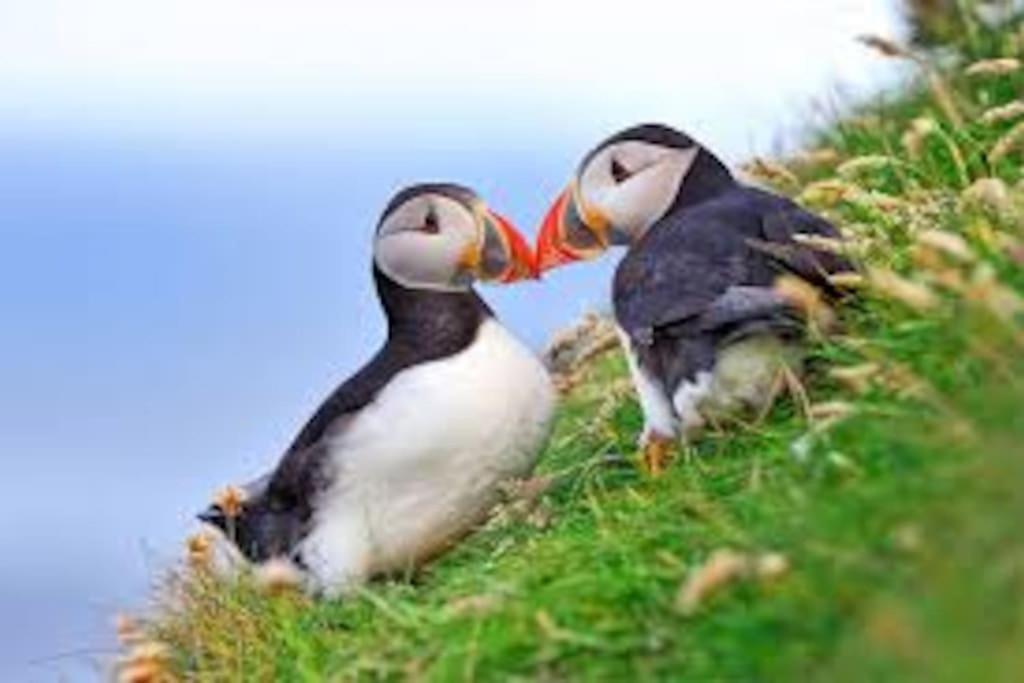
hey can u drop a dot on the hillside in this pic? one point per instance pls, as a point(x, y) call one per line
point(868, 528)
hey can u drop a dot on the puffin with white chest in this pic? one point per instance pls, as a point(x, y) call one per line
point(407, 456)
point(704, 330)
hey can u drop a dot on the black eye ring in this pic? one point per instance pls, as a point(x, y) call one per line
point(431, 225)
point(620, 173)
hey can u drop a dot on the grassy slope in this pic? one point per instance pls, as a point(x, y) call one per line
point(900, 523)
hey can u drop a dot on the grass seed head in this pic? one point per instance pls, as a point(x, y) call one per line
point(887, 47)
point(230, 500)
point(993, 67)
point(831, 410)
point(827, 193)
point(985, 288)
point(951, 279)
point(145, 663)
point(473, 605)
point(1007, 144)
point(277, 576)
point(988, 193)
point(816, 158)
point(722, 568)
point(917, 134)
point(947, 243)
point(856, 377)
point(128, 629)
point(820, 243)
point(199, 551)
point(1006, 112)
point(846, 280)
point(883, 202)
point(907, 537)
point(771, 172)
point(913, 294)
point(806, 298)
point(859, 166)
point(771, 566)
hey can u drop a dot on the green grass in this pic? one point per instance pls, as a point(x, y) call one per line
point(900, 523)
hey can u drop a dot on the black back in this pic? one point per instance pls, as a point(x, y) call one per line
point(675, 292)
point(423, 326)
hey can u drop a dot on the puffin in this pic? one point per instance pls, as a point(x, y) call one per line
point(705, 332)
point(410, 453)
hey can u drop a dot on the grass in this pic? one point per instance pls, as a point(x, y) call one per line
point(899, 517)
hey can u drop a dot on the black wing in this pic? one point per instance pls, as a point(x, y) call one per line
point(778, 228)
point(688, 261)
point(675, 272)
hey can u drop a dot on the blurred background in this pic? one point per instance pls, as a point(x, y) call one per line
point(187, 196)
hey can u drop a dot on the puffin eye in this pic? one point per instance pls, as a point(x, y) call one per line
point(620, 173)
point(430, 224)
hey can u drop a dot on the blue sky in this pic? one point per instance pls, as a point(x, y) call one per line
point(187, 194)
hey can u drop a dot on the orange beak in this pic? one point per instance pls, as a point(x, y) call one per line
point(551, 251)
point(566, 236)
point(506, 255)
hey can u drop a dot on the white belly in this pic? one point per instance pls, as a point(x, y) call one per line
point(421, 465)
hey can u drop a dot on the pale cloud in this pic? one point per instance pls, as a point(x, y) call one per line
point(428, 59)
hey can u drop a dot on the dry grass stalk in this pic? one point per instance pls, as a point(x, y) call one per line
point(831, 410)
point(771, 566)
point(943, 97)
point(988, 193)
point(230, 500)
point(128, 629)
point(849, 280)
point(883, 202)
point(1007, 144)
point(913, 294)
point(858, 166)
point(473, 605)
point(827, 193)
point(528, 490)
point(888, 47)
point(859, 378)
point(902, 381)
point(917, 134)
point(950, 279)
point(820, 243)
point(145, 663)
point(947, 243)
point(1003, 113)
point(806, 298)
point(571, 350)
point(278, 576)
point(199, 551)
point(993, 67)
point(815, 158)
point(722, 568)
point(771, 172)
point(1001, 301)
point(936, 85)
point(908, 538)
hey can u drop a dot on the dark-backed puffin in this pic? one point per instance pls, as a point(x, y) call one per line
point(407, 456)
point(704, 331)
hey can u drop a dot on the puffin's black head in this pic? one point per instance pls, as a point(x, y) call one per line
point(270, 523)
point(622, 187)
point(442, 236)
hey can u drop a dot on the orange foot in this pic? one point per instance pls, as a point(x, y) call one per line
point(657, 455)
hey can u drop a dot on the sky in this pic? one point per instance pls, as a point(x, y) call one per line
point(187, 196)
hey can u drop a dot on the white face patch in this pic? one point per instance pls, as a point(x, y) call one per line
point(420, 243)
point(634, 183)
